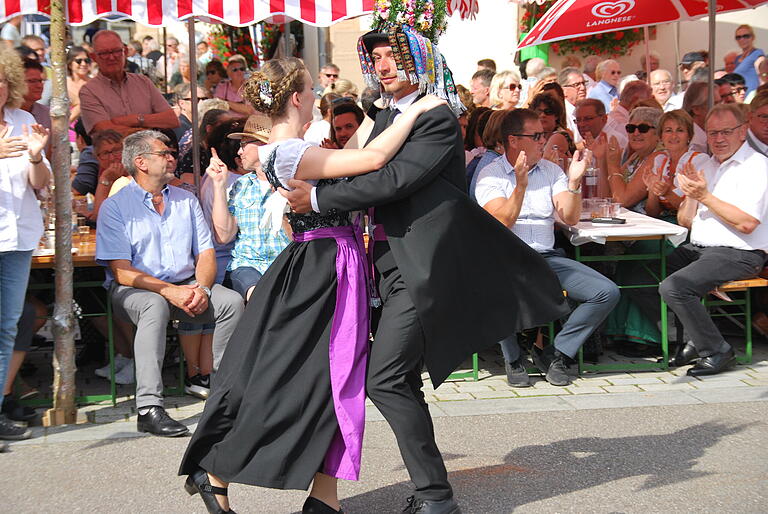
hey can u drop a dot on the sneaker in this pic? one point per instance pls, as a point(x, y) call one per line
point(196, 386)
point(10, 431)
point(517, 375)
point(120, 363)
point(557, 373)
point(14, 411)
point(126, 375)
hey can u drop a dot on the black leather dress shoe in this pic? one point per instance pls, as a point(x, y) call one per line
point(158, 422)
point(686, 354)
point(198, 482)
point(315, 506)
point(713, 364)
point(448, 506)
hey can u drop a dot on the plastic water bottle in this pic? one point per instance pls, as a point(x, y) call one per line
point(590, 183)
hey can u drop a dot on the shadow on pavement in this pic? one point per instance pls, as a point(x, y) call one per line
point(537, 472)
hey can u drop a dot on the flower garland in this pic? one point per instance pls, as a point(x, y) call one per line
point(426, 16)
point(607, 44)
point(226, 41)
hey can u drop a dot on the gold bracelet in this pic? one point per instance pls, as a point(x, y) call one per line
point(37, 161)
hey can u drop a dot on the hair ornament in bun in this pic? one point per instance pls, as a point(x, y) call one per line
point(265, 92)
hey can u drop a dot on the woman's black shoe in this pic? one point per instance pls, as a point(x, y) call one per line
point(315, 506)
point(198, 482)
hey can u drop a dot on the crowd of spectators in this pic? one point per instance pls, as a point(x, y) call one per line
point(534, 136)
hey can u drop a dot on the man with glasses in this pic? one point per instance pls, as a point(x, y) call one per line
point(34, 75)
point(575, 89)
point(327, 76)
point(633, 93)
point(183, 94)
point(607, 88)
point(592, 123)
point(726, 210)
point(737, 85)
point(524, 191)
point(757, 133)
point(156, 246)
point(120, 101)
point(663, 90)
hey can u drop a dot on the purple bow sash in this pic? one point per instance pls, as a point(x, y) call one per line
point(347, 350)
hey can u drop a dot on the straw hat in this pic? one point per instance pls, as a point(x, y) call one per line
point(257, 126)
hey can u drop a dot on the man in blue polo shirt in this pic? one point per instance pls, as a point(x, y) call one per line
point(156, 246)
point(607, 89)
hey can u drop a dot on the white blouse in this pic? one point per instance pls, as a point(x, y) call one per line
point(21, 222)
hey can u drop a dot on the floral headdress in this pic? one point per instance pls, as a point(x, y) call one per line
point(411, 28)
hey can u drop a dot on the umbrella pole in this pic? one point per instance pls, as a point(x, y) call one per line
point(64, 410)
point(647, 55)
point(165, 59)
point(193, 96)
point(712, 29)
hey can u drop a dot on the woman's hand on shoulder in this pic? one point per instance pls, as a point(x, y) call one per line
point(428, 102)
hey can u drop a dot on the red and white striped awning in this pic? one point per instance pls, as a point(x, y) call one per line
point(156, 13)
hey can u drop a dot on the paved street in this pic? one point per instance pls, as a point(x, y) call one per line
point(644, 442)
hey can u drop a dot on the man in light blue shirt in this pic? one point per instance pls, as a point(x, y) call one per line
point(607, 89)
point(524, 197)
point(160, 263)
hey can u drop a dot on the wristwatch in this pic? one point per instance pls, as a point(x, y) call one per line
point(206, 290)
point(105, 182)
point(575, 191)
point(140, 117)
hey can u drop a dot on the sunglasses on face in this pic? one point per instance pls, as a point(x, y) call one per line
point(82, 60)
point(537, 136)
point(331, 75)
point(545, 112)
point(739, 90)
point(643, 128)
point(512, 87)
point(743, 36)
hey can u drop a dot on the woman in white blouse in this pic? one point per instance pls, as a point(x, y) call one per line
point(23, 168)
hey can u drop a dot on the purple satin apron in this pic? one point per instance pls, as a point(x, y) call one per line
point(347, 349)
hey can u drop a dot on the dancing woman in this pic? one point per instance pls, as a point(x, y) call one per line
point(287, 403)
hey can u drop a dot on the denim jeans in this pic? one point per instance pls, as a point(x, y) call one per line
point(14, 276)
point(596, 294)
point(243, 278)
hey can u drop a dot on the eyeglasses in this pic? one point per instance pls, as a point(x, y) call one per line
point(577, 84)
point(725, 132)
point(585, 119)
point(189, 99)
point(546, 112)
point(739, 90)
point(643, 128)
point(110, 53)
point(512, 87)
point(110, 153)
point(212, 72)
point(762, 118)
point(535, 137)
point(82, 60)
point(331, 75)
point(661, 83)
point(743, 36)
point(233, 70)
point(244, 143)
point(615, 72)
point(163, 153)
point(35, 81)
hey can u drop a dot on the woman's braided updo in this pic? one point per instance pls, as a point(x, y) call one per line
point(269, 88)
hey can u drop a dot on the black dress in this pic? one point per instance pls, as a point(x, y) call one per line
point(270, 418)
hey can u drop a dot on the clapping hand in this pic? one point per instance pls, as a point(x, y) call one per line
point(521, 170)
point(36, 138)
point(693, 183)
point(11, 146)
point(217, 170)
point(598, 145)
point(581, 160)
point(613, 154)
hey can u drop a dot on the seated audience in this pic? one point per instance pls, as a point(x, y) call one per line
point(473, 139)
point(690, 62)
point(347, 117)
point(757, 134)
point(238, 210)
point(120, 101)
point(606, 89)
point(78, 74)
point(505, 90)
point(696, 104)
point(183, 94)
point(214, 73)
point(738, 86)
point(493, 144)
point(663, 90)
point(634, 92)
point(480, 87)
point(575, 89)
point(559, 143)
point(160, 264)
point(591, 122)
point(725, 209)
point(526, 196)
point(229, 89)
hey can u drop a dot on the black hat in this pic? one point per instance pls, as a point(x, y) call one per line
point(692, 57)
point(374, 38)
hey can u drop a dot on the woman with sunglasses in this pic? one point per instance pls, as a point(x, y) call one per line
point(505, 90)
point(750, 57)
point(214, 73)
point(551, 113)
point(625, 177)
point(230, 89)
point(78, 74)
